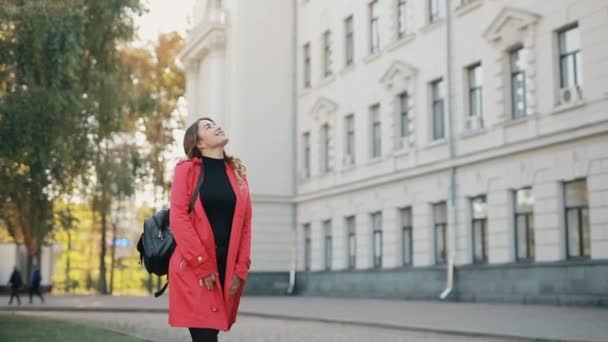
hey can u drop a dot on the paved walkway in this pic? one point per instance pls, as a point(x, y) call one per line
point(548, 323)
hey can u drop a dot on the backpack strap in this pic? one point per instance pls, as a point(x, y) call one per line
point(199, 183)
point(161, 291)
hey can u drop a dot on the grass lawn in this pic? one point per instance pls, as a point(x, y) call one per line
point(21, 328)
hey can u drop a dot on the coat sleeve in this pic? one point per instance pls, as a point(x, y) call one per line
point(243, 261)
point(184, 232)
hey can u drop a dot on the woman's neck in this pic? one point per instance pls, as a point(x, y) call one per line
point(216, 153)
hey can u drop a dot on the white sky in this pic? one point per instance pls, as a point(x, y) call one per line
point(164, 16)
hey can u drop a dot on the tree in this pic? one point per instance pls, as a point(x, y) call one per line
point(40, 112)
point(157, 86)
point(62, 102)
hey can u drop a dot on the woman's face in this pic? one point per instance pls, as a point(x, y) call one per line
point(210, 135)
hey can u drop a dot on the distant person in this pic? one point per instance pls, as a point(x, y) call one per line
point(15, 283)
point(35, 281)
point(209, 267)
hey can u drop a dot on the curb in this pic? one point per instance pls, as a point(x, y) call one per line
point(296, 318)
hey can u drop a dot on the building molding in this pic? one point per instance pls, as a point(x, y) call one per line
point(322, 109)
point(509, 17)
point(398, 69)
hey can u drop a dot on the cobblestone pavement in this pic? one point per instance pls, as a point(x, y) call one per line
point(153, 327)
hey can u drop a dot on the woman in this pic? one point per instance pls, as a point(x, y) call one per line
point(209, 267)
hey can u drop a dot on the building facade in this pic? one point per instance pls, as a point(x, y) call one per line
point(450, 147)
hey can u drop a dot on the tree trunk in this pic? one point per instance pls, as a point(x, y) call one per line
point(67, 263)
point(102, 253)
point(113, 257)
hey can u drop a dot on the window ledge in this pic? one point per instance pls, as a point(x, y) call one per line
point(560, 108)
point(401, 151)
point(347, 69)
point(348, 167)
point(305, 91)
point(466, 8)
point(372, 57)
point(374, 161)
point(325, 81)
point(400, 42)
point(473, 133)
point(518, 121)
point(435, 143)
point(431, 26)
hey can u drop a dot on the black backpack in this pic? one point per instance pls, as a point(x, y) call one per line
point(156, 244)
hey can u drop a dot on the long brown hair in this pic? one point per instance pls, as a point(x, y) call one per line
point(191, 139)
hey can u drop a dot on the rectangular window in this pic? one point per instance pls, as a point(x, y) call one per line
point(351, 241)
point(327, 243)
point(377, 239)
point(518, 82)
point(349, 41)
point(475, 90)
point(327, 53)
point(570, 57)
point(440, 220)
point(307, 247)
point(306, 153)
point(307, 65)
point(374, 28)
point(404, 118)
point(438, 109)
point(349, 152)
point(376, 131)
point(325, 148)
point(578, 242)
point(402, 11)
point(436, 10)
point(406, 236)
point(479, 224)
point(524, 224)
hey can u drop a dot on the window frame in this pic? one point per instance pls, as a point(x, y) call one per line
point(483, 259)
point(437, 103)
point(377, 234)
point(580, 229)
point(374, 27)
point(528, 215)
point(375, 131)
point(514, 73)
point(565, 56)
point(440, 259)
point(351, 235)
point(407, 259)
point(349, 41)
point(327, 72)
point(307, 66)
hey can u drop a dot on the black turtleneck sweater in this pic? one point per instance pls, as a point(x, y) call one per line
point(218, 200)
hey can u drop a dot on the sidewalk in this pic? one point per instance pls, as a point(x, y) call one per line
point(544, 323)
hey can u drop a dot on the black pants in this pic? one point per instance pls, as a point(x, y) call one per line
point(36, 290)
point(203, 335)
point(14, 293)
point(210, 335)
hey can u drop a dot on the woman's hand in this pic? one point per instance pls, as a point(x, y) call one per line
point(236, 283)
point(208, 281)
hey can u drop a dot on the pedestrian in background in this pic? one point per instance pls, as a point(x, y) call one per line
point(15, 283)
point(35, 280)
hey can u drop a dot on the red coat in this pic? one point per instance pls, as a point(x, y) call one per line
point(191, 304)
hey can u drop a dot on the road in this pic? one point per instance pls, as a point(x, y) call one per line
point(153, 327)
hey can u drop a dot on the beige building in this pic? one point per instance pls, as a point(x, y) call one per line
point(431, 135)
